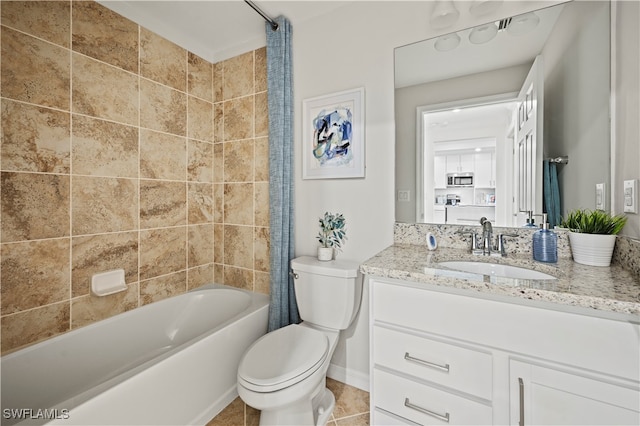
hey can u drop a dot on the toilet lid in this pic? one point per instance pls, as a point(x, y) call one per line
point(282, 358)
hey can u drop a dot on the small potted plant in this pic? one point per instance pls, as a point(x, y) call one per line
point(331, 235)
point(592, 235)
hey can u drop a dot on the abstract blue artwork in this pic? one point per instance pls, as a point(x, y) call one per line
point(332, 136)
point(333, 144)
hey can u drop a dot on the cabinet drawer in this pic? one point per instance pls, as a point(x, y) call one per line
point(383, 418)
point(426, 405)
point(457, 367)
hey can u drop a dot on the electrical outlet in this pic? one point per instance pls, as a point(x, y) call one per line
point(404, 195)
point(631, 196)
point(600, 203)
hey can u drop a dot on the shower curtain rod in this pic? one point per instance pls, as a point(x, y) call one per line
point(274, 24)
point(560, 160)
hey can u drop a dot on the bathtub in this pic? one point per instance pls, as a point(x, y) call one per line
point(172, 362)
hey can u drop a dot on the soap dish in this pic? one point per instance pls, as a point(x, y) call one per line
point(109, 282)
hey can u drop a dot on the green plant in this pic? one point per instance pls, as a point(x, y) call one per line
point(332, 232)
point(594, 222)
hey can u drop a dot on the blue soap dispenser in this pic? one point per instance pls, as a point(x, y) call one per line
point(545, 243)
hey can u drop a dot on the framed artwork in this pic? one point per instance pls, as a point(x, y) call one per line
point(333, 136)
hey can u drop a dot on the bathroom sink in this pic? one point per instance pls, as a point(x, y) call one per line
point(496, 270)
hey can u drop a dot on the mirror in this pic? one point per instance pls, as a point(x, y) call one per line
point(461, 151)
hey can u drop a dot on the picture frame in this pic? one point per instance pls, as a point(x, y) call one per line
point(333, 136)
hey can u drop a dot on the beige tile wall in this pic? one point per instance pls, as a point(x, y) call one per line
point(121, 149)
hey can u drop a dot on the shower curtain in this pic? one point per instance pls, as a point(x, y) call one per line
point(551, 193)
point(283, 309)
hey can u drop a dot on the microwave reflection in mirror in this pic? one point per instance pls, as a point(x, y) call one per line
point(460, 179)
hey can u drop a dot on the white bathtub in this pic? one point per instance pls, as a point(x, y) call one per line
point(172, 362)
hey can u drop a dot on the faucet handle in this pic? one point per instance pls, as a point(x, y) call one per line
point(473, 235)
point(500, 243)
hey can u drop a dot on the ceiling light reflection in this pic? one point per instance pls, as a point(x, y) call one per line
point(523, 24)
point(447, 42)
point(483, 33)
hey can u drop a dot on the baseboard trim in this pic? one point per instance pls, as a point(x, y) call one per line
point(349, 377)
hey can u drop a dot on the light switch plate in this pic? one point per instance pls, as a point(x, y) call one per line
point(404, 195)
point(630, 193)
point(600, 200)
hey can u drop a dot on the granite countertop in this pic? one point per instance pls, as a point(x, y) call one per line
point(609, 289)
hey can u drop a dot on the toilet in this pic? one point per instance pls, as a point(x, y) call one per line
point(283, 373)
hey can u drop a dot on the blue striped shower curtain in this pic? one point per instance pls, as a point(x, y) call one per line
point(283, 309)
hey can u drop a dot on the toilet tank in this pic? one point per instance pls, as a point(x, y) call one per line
point(328, 293)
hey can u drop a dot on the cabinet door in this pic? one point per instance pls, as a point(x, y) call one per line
point(440, 171)
point(466, 163)
point(542, 395)
point(484, 176)
point(457, 163)
point(453, 163)
point(439, 215)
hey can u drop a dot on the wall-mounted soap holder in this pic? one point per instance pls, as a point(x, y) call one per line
point(108, 282)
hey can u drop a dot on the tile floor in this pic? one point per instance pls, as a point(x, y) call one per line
point(352, 409)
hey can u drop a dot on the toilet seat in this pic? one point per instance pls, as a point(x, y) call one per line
point(282, 358)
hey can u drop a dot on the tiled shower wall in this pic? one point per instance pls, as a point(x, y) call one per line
point(123, 150)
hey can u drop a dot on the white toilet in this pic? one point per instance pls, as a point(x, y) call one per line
point(283, 373)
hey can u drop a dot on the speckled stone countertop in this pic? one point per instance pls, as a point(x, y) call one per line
point(611, 289)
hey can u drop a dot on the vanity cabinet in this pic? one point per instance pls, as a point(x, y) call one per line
point(456, 357)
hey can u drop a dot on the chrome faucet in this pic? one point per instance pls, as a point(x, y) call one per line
point(482, 246)
point(487, 236)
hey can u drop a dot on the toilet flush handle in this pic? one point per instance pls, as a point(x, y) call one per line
point(293, 274)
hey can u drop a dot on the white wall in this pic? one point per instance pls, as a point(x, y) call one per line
point(576, 110)
point(353, 47)
point(627, 107)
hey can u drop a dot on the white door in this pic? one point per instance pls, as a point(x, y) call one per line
point(528, 144)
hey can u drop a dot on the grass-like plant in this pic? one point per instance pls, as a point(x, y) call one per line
point(332, 232)
point(594, 222)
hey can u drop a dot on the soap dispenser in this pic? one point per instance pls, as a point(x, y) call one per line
point(531, 223)
point(545, 243)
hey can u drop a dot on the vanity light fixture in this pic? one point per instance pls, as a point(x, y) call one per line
point(444, 14)
point(447, 42)
point(523, 24)
point(483, 33)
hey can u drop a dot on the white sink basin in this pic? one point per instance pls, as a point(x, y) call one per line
point(496, 270)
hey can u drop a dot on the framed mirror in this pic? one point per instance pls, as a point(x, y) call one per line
point(466, 145)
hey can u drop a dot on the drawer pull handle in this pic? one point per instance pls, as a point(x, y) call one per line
point(521, 394)
point(444, 418)
point(426, 363)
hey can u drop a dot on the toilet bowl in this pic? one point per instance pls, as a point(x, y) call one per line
point(283, 373)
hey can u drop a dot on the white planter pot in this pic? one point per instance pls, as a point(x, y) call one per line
point(592, 249)
point(325, 253)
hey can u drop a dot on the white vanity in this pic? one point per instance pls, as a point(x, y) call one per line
point(449, 349)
